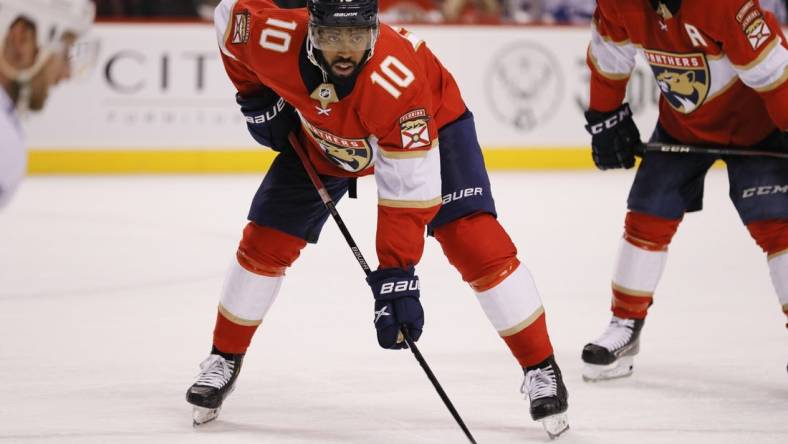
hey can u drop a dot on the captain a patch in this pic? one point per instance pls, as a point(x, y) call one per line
point(241, 28)
point(414, 129)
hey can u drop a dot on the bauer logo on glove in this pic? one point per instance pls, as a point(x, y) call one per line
point(397, 305)
point(399, 286)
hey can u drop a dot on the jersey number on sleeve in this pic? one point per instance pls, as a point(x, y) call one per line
point(396, 73)
point(274, 38)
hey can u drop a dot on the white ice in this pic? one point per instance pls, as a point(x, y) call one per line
point(109, 286)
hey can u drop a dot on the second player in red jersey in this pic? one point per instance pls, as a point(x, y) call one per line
point(365, 98)
point(722, 70)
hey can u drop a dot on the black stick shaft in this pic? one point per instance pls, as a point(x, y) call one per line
point(436, 384)
point(717, 151)
point(329, 203)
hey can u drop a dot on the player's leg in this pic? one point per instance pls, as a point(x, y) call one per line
point(759, 191)
point(481, 250)
point(285, 214)
point(665, 187)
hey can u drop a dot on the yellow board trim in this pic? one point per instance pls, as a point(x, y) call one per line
point(201, 161)
point(47, 161)
point(153, 161)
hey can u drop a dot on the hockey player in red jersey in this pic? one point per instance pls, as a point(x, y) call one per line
point(365, 98)
point(722, 68)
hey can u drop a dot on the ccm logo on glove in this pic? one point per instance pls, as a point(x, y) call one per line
point(610, 122)
point(399, 286)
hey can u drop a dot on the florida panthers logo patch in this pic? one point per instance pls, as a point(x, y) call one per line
point(414, 129)
point(351, 155)
point(683, 79)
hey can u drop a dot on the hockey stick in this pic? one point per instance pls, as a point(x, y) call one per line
point(329, 203)
point(692, 149)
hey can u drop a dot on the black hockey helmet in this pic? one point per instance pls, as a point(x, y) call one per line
point(341, 24)
point(343, 13)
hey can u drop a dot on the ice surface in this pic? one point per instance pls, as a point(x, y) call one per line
point(109, 286)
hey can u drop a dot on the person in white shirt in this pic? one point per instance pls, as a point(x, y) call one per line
point(35, 39)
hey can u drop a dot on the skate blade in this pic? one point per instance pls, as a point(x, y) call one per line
point(620, 369)
point(555, 425)
point(202, 415)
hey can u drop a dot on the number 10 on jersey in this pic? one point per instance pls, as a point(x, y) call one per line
point(395, 74)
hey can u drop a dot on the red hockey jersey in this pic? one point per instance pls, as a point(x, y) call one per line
point(721, 66)
point(389, 120)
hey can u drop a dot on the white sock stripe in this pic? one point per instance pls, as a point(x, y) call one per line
point(778, 270)
point(236, 320)
point(248, 296)
point(637, 269)
point(512, 301)
point(779, 253)
point(631, 292)
point(523, 324)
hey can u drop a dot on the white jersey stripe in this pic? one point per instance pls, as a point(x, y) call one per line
point(409, 179)
point(612, 59)
point(222, 23)
point(769, 73)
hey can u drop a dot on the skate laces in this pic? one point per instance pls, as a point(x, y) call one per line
point(540, 383)
point(215, 371)
point(618, 333)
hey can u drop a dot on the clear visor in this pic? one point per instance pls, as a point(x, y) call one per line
point(327, 38)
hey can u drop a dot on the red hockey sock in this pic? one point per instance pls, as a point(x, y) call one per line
point(770, 235)
point(644, 237)
point(263, 255)
point(267, 251)
point(630, 307)
point(230, 337)
point(479, 249)
point(485, 256)
point(531, 345)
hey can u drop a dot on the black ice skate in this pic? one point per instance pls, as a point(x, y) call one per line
point(214, 383)
point(612, 355)
point(546, 391)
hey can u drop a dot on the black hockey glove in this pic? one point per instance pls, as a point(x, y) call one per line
point(396, 293)
point(270, 119)
point(614, 137)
